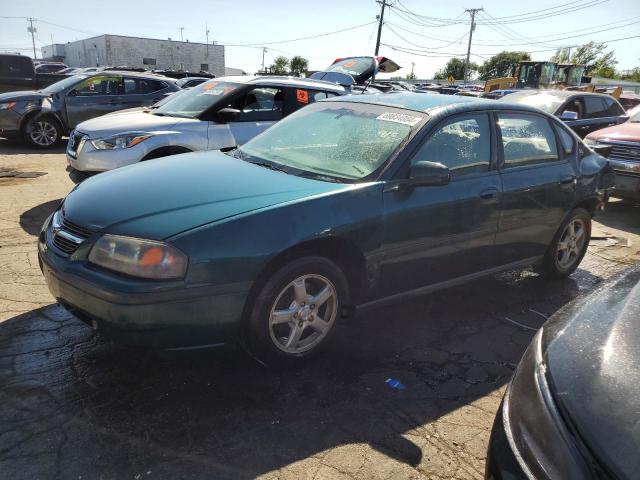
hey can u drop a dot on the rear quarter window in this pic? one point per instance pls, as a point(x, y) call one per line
point(11, 66)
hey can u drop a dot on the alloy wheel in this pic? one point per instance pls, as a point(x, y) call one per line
point(571, 243)
point(303, 314)
point(43, 133)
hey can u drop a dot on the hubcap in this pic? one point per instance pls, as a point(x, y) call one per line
point(571, 244)
point(43, 133)
point(303, 313)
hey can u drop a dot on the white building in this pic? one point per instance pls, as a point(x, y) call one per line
point(149, 53)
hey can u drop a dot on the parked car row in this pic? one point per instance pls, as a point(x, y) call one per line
point(42, 117)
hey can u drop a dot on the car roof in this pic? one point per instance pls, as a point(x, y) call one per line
point(147, 75)
point(283, 81)
point(411, 101)
point(434, 104)
point(557, 93)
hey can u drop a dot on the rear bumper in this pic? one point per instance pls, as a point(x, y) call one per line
point(179, 317)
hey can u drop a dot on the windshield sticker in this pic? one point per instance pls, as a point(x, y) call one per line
point(213, 91)
point(209, 85)
point(302, 96)
point(399, 118)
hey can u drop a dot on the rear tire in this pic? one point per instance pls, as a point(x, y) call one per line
point(42, 132)
point(569, 245)
point(295, 312)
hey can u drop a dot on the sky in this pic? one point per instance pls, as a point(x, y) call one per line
point(413, 35)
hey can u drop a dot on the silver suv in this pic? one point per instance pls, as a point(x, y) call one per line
point(221, 113)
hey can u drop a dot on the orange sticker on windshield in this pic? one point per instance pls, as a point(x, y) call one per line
point(209, 85)
point(302, 96)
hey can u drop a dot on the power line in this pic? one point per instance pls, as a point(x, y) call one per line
point(309, 37)
point(524, 17)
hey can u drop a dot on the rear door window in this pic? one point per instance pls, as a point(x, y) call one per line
point(613, 108)
point(305, 96)
point(141, 86)
point(594, 107)
point(526, 140)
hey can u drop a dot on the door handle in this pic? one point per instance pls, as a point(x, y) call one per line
point(584, 127)
point(567, 180)
point(488, 193)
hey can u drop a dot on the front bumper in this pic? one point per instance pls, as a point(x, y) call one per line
point(502, 463)
point(10, 122)
point(136, 312)
point(627, 185)
point(88, 159)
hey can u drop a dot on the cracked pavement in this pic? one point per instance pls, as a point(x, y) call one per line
point(75, 406)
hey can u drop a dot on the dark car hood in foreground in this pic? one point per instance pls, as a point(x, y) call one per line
point(592, 352)
point(21, 96)
point(163, 197)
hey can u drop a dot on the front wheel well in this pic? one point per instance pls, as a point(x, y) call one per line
point(589, 204)
point(343, 252)
point(165, 152)
point(38, 113)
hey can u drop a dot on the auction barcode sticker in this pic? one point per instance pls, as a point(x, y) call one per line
point(399, 118)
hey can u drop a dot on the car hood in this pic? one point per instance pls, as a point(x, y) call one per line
point(592, 352)
point(130, 121)
point(627, 132)
point(167, 196)
point(21, 96)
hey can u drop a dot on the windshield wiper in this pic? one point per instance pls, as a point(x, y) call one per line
point(267, 165)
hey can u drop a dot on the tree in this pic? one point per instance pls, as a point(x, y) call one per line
point(455, 68)
point(280, 65)
point(299, 65)
point(632, 75)
point(411, 76)
point(598, 62)
point(502, 65)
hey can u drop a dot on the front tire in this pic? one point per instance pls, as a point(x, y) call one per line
point(295, 312)
point(42, 132)
point(569, 245)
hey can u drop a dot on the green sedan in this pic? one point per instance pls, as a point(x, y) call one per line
point(346, 203)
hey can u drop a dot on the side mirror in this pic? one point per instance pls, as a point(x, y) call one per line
point(604, 150)
point(227, 115)
point(569, 116)
point(429, 174)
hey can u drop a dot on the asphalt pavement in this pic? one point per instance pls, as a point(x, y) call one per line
point(75, 406)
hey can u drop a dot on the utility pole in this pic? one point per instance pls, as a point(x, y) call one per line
point(32, 31)
point(181, 38)
point(383, 4)
point(264, 50)
point(568, 54)
point(206, 27)
point(413, 64)
point(473, 12)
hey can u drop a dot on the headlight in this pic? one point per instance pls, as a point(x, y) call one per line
point(589, 142)
point(7, 105)
point(533, 426)
point(126, 140)
point(139, 257)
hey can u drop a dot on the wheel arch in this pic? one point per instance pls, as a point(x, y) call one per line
point(39, 113)
point(590, 204)
point(341, 251)
point(165, 151)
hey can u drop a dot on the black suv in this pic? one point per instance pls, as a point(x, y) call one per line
point(582, 112)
